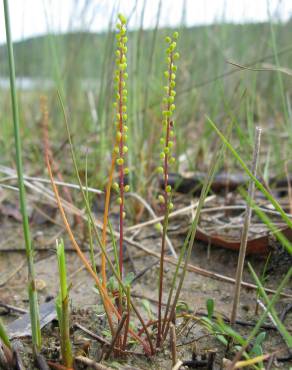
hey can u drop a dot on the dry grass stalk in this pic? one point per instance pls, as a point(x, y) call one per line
point(244, 236)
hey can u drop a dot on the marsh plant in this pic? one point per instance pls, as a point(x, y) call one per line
point(113, 284)
point(120, 106)
point(166, 155)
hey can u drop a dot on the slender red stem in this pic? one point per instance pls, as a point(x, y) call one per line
point(121, 175)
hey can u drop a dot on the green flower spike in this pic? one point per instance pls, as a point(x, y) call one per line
point(167, 159)
point(120, 105)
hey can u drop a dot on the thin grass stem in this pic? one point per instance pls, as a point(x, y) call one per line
point(32, 292)
point(244, 235)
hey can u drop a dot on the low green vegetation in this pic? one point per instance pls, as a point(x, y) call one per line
point(81, 65)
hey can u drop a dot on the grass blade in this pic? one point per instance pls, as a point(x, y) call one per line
point(285, 334)
point(4, 336)
point(258, 184)
point(33, 302)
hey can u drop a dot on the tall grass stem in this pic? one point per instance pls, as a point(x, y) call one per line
point(33, 301)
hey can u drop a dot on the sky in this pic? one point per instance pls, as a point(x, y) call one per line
point(35, 17)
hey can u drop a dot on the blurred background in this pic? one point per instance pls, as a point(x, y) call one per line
point(68, 46)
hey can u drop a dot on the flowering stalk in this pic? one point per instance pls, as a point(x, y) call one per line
point(121, 119)
point(166, 157)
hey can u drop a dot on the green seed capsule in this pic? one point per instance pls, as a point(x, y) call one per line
point(162, 155)
point(120, 161)
point(122, 18)
point(125, 149)
point(175, 35)
point(161, 199)
point(158, 227)
point(172, 160)
point(126, 170)
point(170, 206)
point(116, 186)
point(119, 136)
point(168, 189)
point(160, 170)
point(127, 188)
point(173, 45)
point(119, 200)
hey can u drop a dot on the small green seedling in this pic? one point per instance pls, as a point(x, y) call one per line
point(62, 308)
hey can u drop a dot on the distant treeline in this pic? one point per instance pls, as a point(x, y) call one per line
point(87, 55)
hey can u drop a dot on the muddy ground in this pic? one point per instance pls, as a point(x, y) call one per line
point(85, 302)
